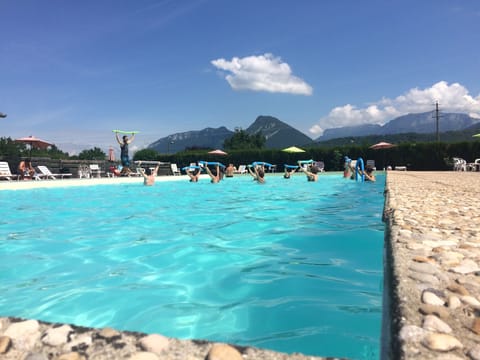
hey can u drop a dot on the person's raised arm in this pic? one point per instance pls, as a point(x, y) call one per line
point(131, 138)
point(208, 171)
point(118, 139)
point(300, 167)
point(249, 168)
point(190, 175)
point(142, 171)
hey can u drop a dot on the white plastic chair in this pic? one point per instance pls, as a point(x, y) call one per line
point(95, 170)
point(175, 170)
point(459, 164)
point(242, 169)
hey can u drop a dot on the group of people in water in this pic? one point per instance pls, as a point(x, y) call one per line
point(215, 170)
point(257, 171)
point(352, 171)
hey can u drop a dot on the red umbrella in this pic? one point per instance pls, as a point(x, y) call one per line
point(382, 145)
point(217, 152)
point(34, 142)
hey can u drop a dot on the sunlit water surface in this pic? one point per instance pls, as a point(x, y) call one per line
point(290, 265)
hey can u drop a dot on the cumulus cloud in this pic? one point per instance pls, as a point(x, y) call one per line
point(262, 73)
point(452, 98)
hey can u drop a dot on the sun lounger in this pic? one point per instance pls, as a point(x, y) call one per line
point(5, 172)
point(47, 174)
point(242, 169)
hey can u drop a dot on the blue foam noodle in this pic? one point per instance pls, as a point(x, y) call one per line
point(291, 166)
point(305, 161)
point(214, 163)
point(191, 167)
point(261, 163)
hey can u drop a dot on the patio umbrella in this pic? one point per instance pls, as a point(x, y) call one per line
point(217, 152)
point(476, 135)
point(34, 143)
point(382, 145)
point(293, 149)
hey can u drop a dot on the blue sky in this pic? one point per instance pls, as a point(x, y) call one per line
point(71, 71)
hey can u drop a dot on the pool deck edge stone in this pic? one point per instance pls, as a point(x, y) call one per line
point(432, 245)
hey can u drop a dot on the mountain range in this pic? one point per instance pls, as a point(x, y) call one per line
point(280, 135)
point(421, 123)
point(276, 132)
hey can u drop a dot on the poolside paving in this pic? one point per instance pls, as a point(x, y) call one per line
point(433, 252)
point(432, 297)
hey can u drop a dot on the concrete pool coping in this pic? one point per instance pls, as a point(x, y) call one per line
point(432, 307)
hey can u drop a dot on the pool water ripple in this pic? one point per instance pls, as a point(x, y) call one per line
point(291, 266)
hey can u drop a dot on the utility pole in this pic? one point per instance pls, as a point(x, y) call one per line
point(437, 118)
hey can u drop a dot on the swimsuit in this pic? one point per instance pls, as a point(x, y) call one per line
point(124, 155)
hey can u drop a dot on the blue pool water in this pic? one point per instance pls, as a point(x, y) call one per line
point(290, 265)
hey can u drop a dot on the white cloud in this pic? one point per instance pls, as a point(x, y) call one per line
point(452, 98)
point(262, 73)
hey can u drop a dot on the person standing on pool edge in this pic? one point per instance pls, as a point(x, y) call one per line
point(124, 152)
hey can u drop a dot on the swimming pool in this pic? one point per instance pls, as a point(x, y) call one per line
point(290, 265)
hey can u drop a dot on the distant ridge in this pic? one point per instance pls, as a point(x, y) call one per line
point(280, 135)
point(206, 138)
point(277, 133)
point(421, 123)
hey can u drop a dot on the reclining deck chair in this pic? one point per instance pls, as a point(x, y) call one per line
point(5, 172)
point(47, 174)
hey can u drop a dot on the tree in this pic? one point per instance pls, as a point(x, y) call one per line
point(146, 154)
point(92, 154)
point(9, 148)
point(241, 140)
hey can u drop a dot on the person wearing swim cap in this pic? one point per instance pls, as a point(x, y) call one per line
point(347, 169)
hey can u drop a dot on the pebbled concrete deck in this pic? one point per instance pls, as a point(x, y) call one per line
point(433, 252)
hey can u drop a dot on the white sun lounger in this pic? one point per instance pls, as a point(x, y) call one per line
point(5, 172)
point(47, 174)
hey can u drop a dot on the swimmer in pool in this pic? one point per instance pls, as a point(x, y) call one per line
point(289, 171)
point(215, 175)
point(149, 175)
point(311, 171)
point(258, 173)
point(194, 174)
point(369, 175)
